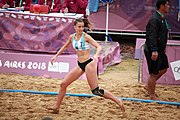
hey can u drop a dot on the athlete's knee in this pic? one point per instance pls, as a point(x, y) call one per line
point(97, 91)
point(63, 85)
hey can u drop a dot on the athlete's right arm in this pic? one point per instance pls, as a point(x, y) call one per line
point(64, 47)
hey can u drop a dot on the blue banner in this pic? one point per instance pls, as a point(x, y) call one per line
point(93, 5)
point(179, 5)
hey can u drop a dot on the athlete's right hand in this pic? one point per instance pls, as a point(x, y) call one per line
point(53, 60)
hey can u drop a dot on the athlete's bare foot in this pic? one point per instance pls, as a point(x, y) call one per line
point(121, 105)
point(53, 110)
point(153, 98)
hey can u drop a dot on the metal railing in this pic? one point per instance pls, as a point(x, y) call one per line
point(140, 58)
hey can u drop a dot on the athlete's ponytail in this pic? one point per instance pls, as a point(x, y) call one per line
point(87, 24)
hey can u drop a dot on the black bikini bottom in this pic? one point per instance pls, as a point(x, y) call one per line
point(83, 65)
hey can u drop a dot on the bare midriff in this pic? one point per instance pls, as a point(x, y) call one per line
point(83, 55)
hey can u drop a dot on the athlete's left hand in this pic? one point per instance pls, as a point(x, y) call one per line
point(95, 58)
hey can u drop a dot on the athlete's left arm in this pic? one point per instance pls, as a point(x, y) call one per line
point(94, 43)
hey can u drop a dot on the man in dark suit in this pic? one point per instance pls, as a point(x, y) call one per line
point(155, 45)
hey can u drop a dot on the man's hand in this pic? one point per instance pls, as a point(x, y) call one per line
point(5, 6)
point(19, 8)
point(66, 10)
point(154, 55)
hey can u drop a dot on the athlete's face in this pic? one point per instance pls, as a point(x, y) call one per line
point(79, 27)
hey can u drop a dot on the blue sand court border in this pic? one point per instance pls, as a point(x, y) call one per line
point(90, 95)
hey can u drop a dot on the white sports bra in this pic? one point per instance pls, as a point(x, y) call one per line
point(80, 44)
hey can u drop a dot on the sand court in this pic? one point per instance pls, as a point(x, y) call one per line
point(119, 79)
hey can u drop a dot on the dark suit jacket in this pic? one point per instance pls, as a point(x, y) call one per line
point(156, 33)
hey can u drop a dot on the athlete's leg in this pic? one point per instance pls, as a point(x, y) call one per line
point(91, 74)
point(74, 74)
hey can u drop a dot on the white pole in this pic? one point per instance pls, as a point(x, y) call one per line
point(107, 21)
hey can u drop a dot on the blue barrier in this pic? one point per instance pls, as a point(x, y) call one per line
point(90, 95)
